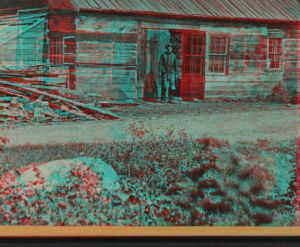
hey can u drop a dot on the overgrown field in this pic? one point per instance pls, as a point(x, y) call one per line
point(170, 181)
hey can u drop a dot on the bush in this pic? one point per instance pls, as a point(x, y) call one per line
point(281, 94)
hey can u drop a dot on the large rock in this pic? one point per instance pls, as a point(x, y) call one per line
point(54, 173)
point(59, 192)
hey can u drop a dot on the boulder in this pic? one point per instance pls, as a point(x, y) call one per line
point(45, 192)
point(51, 174)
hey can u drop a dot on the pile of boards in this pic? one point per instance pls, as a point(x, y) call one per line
point(23, 104)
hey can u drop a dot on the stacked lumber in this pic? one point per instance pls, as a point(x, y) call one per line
point(22, 104)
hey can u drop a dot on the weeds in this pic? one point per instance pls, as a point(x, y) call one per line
point(171, 181)
point(281, 94)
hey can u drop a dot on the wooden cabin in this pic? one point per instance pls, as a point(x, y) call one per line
point(223, 48)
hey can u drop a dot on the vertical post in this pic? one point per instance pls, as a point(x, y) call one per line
point(46, 56)
point(298, 141)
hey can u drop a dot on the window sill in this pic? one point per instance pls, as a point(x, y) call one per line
point(274, 70)
point(211, 73)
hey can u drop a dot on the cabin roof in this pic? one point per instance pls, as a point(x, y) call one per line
point(282, 10)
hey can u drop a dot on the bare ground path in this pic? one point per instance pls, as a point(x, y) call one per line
point(232, 122)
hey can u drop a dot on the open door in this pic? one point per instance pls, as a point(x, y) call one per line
point(193, 65)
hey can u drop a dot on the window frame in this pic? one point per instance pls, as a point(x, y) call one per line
point(30, 52)
point(64, 46)
point(192, 55)
point(258, 61)
point(59, 58)
point(41, 56)
point(281, 62)
point(225, 55)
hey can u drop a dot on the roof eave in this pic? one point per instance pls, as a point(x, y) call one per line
point(163, 15)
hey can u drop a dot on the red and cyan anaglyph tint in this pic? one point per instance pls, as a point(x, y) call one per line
point(149, 112)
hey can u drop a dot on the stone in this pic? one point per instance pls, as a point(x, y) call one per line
point(51, 174)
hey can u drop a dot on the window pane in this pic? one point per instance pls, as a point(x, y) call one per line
point(198, 60)
point(198, 50)
point(275, 52)
point(217, 63)
point(188, 50)
point(187, 60)
point(194, 42)
point(218, 45)
point(187, 69)
point(200, 42)
point(69, 45)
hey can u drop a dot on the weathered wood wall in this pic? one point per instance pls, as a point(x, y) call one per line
point(107, 56)
point(292, 58)
point(115, 54)
point(238, 80)
point(22, 40)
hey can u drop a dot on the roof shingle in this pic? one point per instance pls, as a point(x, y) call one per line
point(285, 10)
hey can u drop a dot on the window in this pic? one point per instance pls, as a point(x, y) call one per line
point(42, 50)
point(56, 51)
point(29, 48)
point(69, 50)
point(62, 50)
point(253, 53)
point(217, 54)
point(275, 53)
point(193, 55)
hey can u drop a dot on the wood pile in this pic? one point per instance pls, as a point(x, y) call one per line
point(21, 104)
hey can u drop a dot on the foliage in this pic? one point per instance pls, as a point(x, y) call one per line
point(280, 94)
point(173, 180)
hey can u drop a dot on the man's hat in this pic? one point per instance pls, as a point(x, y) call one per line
point(169, 45)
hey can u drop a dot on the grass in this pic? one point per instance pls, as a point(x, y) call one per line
point(170, 181)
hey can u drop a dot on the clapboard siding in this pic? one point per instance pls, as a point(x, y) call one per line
point(106, 56)
point(241, 81)
point(231, 78)
point(104, 25)
point(223, 94)
point(26, 48)
point(264, 86)
point(291, 58)
point(114, 81)
point(118, 53)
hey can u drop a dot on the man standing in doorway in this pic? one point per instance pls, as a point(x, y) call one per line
point(167, 68)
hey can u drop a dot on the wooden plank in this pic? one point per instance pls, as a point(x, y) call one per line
point(59, 70)
point(232, 87)
point(217, 94)
point(93, 80)
point(94, 58)
point(232, 78)
point(106, 37)
point(109, 71)
point(102, 24)
point(6, 99)
point(111, 93)
point(94, 47)
point(122, 53)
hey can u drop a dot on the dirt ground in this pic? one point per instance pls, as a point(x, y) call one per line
point(234, 121)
